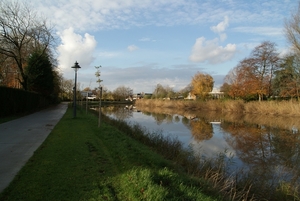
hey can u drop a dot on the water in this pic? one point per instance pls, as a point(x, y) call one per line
point(267, 147)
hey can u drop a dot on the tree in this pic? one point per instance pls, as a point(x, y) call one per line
point(57, 82)
point(186, 90)
point(22, 32)
point(292, 30)
point(202, 84)
point(8, 73)
point(122, 92)
point(265, 62)
point(287, 79)
point(253, 76)
point(39, 73)
point(231, 83)
point(67, 89)
point(159, 92)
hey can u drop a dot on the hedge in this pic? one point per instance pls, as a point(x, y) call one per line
point(16, 101)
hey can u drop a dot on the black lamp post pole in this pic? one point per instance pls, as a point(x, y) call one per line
point(76, 67)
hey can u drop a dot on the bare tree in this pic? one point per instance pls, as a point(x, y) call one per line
point(265, 62)
point(122, 92)
point(292, 30)
point(21, 32)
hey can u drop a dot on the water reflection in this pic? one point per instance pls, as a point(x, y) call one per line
point(268, 148)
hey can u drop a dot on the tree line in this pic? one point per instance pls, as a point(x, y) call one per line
point(27, 62)
point(26, 58)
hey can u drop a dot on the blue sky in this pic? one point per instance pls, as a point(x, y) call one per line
point(142, 43)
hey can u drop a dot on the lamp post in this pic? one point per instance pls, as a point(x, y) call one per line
point(76, 67)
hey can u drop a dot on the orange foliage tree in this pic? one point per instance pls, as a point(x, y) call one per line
point(253, 76)
point(202, 84)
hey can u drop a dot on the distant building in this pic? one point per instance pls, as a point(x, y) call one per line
point(214, 94)
point(190, 96)
point(88, 94)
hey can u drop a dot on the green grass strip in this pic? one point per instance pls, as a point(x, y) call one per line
point(79, 161)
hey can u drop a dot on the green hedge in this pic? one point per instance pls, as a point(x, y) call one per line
point(16, 101)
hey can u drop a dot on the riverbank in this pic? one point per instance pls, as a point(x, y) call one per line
point(276, 108)
point(79, 161)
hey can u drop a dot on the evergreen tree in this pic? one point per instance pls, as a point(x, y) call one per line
point(40, 74)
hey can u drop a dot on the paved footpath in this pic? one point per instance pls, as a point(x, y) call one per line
point(21, 137)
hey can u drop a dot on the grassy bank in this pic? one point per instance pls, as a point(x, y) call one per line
point(282, 108)
point(79, 161)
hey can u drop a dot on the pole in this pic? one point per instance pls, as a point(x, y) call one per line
point(86, 102)
point(99, 122)
point(74, 111)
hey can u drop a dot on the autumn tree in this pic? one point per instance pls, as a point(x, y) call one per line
point(22, 32)
point(201, 130)
point(253, 76)
point(265, 62)
point(231, 86)
point(8, 72)
point(202, 84)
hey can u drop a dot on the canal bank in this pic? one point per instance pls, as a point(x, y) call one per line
point(79, 161)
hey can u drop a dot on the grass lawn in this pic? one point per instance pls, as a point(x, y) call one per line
point(79, 161)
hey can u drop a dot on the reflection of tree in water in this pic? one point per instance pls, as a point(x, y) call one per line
point(177, 119)
point(147, 113)
point(266, 150)
point(160, 118)
point(287, 147)
point(252, 142)
point(169, 118)
point(120, 112)
point(201, 130)
point(185, 121)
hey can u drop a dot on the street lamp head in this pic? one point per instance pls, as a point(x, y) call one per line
point(76, 66)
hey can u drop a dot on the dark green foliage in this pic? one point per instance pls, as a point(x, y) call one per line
point(40, 74)
point(286, 83)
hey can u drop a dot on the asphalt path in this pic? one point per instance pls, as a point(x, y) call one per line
point(21, 137)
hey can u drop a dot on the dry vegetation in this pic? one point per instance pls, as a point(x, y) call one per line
point(275, 108)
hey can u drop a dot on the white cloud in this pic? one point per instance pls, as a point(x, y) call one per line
point(210, 51)
point(132, 48)
point(265, 31)
point(75, 47)
point(220, 28)
point(144, 39)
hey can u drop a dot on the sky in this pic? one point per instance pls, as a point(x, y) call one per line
point(142, 43)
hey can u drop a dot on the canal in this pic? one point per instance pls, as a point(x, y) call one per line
point(266, 147)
